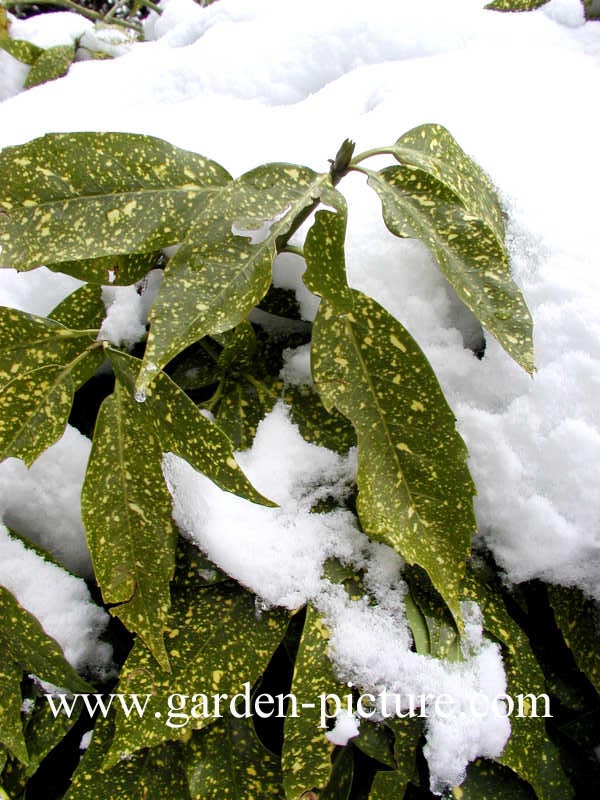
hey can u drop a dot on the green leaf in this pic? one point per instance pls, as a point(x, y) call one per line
point(117, 270)
point(578, 618)
point(195, 369)
point(227, 761)
point(23, 51)
point(83, 309)
point(218, 276)
point(415, 490)
point(442, 637)
point(516, 5)
point(26, 647)
point(4, 23)
point(215, 641)
point(180, 427)
point(392, 785)
point(243, 405)
point(468, 251)
point(156, 773)
point(376, 741)
point(387, 786)
point(487, 780)
point(239, 347)
point(126, 510)
point(42, 731)
point(342, 774)
point(325, 273)
point(316, 424)
point(529, 752)
point(306, 756)
point(51, 64)
point(41, 363)
point(434, 150)
point(75, 196)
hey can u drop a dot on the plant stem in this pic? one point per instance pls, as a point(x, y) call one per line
point(210, 404)
point(208, 350)
point(376, 151)
point(291, 248)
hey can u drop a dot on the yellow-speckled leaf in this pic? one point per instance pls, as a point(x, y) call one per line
point(387, 786)
point(243, 405)
point(578, 618)
point(516, 5)
point(23, 51)
point(51, 64)
point(28, 342)
point(179, 427)
point(75, 196)
point(392, 785)
point(117, 270)
point(11, 727)
point(25, 647)
point(227, 761)
point(216, 641)
point(218, 276)
point(529, 752)
point(306, 755)
point(42, 732)
point(126, 510)
point(154, 774)
point(342, 775)
point(433, 149)
point(316, 424)
point(325, 273)
point(415, 490)
point(41, 363)
point(487, 780)
point(4, 22)
point(83, 309)
point(377, 741)
point(469, 252)
point(34, 409)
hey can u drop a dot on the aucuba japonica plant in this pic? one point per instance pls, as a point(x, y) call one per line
point(103, 207)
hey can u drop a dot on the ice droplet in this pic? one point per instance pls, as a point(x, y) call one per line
point(139, 396)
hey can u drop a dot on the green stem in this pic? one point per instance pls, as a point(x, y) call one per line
point(153, 7)
point(209, 350)
point(110, 14)
point(261, 387)
point(282, 241)
point(291, 248)
point(210, 404)
point(363, 170)
point(375, 151)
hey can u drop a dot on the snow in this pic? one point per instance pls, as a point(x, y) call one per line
point(61, 603)
point(127, 310)
point(49, 30)
point(246, 83)
point(279, 554)
point(43, 502)
point(346, 727)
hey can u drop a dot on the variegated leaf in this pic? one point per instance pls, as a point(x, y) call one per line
point(224, 269)
point(126, 510)
point(415, 490)
point(468, 251)
point(216, 641)
point(306, 756)
point(75, 196)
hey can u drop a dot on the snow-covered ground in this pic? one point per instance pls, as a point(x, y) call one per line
point(248, 82)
